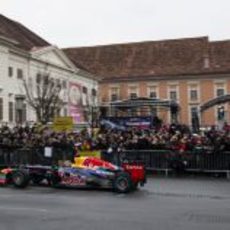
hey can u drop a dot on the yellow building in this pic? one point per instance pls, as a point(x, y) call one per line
point(191, 71)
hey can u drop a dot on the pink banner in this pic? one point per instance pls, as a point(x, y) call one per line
point(75, 102)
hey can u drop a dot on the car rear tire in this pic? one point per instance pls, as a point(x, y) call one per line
point(122, 182)
point(20, 179)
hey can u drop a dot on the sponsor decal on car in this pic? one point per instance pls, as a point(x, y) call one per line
point(136, 167)
point(104, 173)
point(75, 180)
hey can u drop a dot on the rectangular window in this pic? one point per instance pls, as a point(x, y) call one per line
point(19, 74)
point(84, 90)
point(1, 109)
point(114, 97)
point(11, 113)
point(173, 95)
point(133, 90)
point(114, 93)
point(152, 91)
point(193, 95)
point(133, 95)
point(94, 92)
point(219, 92)
point(19, 103)
point(20, 110)
point(47, 80)
point(173, 91)
point(10, 71)
point(153, 94)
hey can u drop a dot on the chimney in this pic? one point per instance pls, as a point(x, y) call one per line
point(206, 62)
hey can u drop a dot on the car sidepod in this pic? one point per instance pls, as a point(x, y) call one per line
point(72, 177)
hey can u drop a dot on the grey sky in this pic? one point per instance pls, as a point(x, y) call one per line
point(68, 23)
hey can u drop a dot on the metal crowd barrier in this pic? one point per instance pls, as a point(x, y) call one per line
point(155, 160)
point(167, 160)
point(21, 156)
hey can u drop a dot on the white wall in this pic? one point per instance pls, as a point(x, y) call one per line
point(12, 86)
point(4, 81)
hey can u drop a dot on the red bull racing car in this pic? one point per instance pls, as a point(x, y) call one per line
point(86, 172)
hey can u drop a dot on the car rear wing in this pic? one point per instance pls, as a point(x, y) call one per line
point(136, 170)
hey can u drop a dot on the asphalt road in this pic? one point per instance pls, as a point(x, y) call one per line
point(164, 203)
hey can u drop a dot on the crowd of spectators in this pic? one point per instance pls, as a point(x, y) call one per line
point(174, 137)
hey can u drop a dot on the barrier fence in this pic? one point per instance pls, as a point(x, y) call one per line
point(154, 160)
point(44, 156)
point(167, 160)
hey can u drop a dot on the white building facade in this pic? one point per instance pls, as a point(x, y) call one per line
point(79, 88)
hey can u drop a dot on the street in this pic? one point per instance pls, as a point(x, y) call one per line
point(164, 203)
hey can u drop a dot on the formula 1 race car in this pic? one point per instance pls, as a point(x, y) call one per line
point(86, 172)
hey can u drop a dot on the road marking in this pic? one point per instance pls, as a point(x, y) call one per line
point(22, 209)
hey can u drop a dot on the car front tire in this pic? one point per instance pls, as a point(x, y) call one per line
point(20, 179)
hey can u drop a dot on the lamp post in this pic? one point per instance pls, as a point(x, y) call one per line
point(221, 113)
point(195, 122)
point(220, 116)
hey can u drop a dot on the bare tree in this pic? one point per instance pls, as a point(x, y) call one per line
point(45, 98)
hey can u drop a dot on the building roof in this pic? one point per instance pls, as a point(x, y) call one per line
point(26, 38)
point(220, 54)
point(153, 58)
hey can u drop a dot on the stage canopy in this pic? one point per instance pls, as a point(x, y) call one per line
point(216, 101)
point(142, 101)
